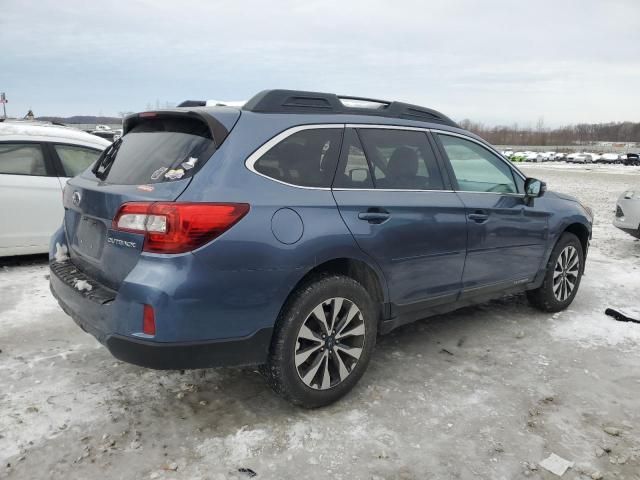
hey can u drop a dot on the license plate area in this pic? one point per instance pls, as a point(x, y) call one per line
point(90, 237)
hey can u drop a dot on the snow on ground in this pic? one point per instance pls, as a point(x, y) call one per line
point(486, 392)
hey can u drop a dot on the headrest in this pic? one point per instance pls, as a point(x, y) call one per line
point(403, 162)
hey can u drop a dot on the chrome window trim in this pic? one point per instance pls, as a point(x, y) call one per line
point(265, 147)
point(386, 127)
point(344, 189)
point(269, 144)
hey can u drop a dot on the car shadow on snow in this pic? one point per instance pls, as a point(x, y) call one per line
point(225, 399)
point(24, 260)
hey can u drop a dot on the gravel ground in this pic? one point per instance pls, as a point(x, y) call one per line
point(486, 392)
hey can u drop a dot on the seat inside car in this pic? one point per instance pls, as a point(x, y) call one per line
point(402, 170)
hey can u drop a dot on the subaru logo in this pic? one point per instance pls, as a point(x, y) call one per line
point(76, 198)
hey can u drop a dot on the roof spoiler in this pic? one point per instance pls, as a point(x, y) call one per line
point(218, 130)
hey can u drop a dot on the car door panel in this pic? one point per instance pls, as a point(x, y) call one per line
point(32, 195)
point(507, 237)
point(507, 245)
point(35, 211)
point(420, 247)
point(417, 237)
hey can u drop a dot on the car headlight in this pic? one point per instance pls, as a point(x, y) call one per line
point(629, 194)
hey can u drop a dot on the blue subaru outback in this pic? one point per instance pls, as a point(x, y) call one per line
point(291, 232)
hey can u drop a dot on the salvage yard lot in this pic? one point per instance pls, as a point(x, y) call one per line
point(485, 392)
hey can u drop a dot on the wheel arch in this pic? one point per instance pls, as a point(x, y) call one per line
point(583, 234)
point(359, 270)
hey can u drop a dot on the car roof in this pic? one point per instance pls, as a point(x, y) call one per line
point(47, 132)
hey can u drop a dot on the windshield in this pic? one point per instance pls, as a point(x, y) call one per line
point(156, 150)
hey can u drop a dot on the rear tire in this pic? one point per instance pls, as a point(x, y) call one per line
point(562, 277)
point(322, 342)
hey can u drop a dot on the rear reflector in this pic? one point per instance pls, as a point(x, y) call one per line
point(177, 227)
point(148, 320)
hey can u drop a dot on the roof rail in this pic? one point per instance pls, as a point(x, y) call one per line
point(296, 101)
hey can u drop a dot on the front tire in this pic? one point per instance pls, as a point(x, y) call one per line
point(322, 342)
point(562, 278)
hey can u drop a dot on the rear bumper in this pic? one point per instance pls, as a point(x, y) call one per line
point(180, 356)
point(93, 316)
point(635, 232)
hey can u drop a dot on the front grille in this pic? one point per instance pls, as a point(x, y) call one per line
point(619, 212)
point(69, 274)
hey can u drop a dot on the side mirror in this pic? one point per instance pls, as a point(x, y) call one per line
point(534, 188)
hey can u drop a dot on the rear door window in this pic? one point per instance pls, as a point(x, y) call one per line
point(401, 159)
point(156, 150)
point(22, 159)
point(353, 171)
point(306, 158)
point(75, 159)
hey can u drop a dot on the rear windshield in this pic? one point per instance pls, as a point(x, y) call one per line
point(156, 150)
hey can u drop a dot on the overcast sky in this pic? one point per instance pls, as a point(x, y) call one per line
point(497, 62)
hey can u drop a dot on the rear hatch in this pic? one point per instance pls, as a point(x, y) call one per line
point(154, 161)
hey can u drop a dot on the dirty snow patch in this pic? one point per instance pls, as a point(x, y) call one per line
point(62, 253)
point(235, 447)
point(82, 285)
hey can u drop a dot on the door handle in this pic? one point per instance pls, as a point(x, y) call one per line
point(374, 215)
point(479, 216)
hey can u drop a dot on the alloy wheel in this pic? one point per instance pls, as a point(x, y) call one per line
point(329, 343)
point(565, 273)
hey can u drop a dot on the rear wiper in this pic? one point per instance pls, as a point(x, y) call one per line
point(106, 160)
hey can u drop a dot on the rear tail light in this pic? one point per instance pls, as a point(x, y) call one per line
point(177, 227)
point(148, 320)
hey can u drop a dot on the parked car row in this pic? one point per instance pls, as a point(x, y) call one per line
point(576, 157)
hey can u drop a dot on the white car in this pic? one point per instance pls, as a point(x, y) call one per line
point(627, 216)
point(581, 158)
point(532, 157)
point(36, 159)
point(559, 156)
point(548, 156)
